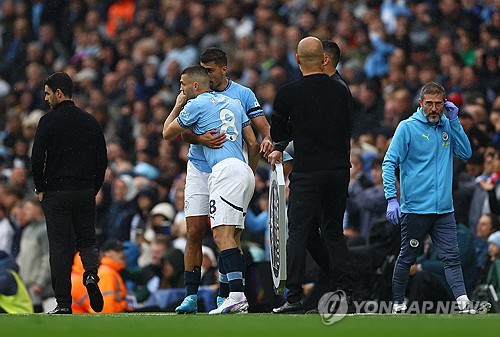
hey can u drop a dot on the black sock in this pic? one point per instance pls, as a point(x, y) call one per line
point(192, 279)
point(223, 283)
point(232, 261)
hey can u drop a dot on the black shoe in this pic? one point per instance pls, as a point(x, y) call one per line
point(289, 308)
point(60, 311)
point(96, 300)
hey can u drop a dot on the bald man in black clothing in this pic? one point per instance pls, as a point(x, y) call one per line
point(318, 122)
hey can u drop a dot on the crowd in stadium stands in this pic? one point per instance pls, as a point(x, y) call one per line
point(126, 57)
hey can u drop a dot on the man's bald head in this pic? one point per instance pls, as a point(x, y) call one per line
point(310, 54)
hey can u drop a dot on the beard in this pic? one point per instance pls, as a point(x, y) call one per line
point(434, 118)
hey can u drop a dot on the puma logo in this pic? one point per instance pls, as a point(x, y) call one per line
point(426, 136)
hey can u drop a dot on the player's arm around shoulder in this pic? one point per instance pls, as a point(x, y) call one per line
point(253, 147)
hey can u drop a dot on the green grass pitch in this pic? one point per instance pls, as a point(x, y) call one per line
point(252, 325)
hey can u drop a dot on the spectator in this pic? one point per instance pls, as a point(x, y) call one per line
point(146, 199)
point(372, 201)
point(112, 286)
point(162, 218)
point(494, 252)
point(208, 267)
point(7, 231)
point(14, 298)
point(13, 53)
point(120, 13)
point(33, 258)
point(11, 200)
point(29, 124)
point(368, 108)
point(172, 275)
point(121, 210)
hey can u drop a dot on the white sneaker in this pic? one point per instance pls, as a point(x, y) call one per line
point(476, 307)
point(231, 306)
point(399, 308)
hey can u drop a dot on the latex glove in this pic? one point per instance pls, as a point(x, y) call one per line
point(450, 110)
point(393, 213)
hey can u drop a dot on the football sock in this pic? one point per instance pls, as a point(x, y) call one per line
point(192, 280)
point(232, 261)
point(223, 283)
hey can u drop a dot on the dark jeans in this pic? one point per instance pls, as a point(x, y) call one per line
point(317, 199)
point(70, 217)
point(443, 231)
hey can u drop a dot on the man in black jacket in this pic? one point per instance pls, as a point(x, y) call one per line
point(319, 123)
point(68, 163)
point(332, 58)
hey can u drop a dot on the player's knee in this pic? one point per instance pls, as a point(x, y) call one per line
point(408, 257)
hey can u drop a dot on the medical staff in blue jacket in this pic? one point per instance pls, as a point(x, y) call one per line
point(423, 147)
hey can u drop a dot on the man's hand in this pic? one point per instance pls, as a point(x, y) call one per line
point(266, 147)
point(450, 110)
point(212, 139)
point(181, 99)
point(275, 156)
point(393, 213)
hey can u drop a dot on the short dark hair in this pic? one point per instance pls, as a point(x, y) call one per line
point(62, 81)
point(214, 54)
point(197, 72)
point(432, 88)
point(332, 50)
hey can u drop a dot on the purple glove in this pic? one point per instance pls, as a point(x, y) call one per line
point(450, 110)
point(393, 213)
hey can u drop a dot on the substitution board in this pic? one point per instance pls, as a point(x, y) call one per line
point(277, 228)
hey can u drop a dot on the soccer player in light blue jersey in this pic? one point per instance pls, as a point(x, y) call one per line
point(196, 190)
point(231, 182)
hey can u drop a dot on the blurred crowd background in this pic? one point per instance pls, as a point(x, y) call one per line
point(126, 57)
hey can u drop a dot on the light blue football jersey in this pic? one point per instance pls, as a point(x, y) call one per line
point(251, 107)
point(212, 110)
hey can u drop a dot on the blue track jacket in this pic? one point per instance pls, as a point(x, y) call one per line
point(424, 153)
